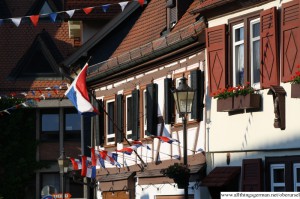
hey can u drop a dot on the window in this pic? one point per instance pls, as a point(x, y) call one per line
point(238, 54)
point(245, 50)
point(277, 177)
point(110, 133)
point(145, 112)
point(245, 53)
point(52, 181)
point(255, 52)
point(129, 117)
point(283, 173)
point(49, 124)
point(75, 32)
point(72, 126)
point(296, 172)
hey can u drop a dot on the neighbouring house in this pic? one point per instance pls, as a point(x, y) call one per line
point(252, 140)
point(134, 63)
point(30, 58)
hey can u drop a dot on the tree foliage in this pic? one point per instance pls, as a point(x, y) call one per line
point(17, 150)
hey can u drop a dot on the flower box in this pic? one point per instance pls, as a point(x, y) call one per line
point(249, 101)
point(225, 105)
point(240, 102)
point(295, 90)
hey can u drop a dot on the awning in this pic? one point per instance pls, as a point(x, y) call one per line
point(221, 176)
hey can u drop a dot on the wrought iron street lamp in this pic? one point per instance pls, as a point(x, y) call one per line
point(63, 164)
point(184, 96)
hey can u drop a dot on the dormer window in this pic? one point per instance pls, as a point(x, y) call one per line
point(75, 32)
point(172, 15)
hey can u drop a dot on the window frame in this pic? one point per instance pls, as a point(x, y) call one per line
point(106, 120)
point(277, 184)
point(127, 132)
point(71, 134)
point(49, 135)
point(246, 21)
point(296, 184)
point(252, 40)
point(144, 112)
point(288, 162)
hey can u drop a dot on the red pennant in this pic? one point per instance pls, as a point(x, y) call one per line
point(34, 19)
point(55, 91)
point(37, 99)
point(141, 2)
point(88, 10)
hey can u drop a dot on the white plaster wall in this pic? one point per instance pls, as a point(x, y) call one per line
point(254, 130)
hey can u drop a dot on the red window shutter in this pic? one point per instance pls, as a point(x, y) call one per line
point(216, 52)
point(252, 175)
point(269, 48)
point(290, 38)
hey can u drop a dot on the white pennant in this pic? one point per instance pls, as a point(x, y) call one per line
point(70, 13)
point(16, 21)
point(123, 5)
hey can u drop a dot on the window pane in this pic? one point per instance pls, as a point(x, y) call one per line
point(239, 34)
point(279, 189)
point(110, 107)
point(73, 122)
point(50, 122)
point(256, 61)
point(239, 64)
point(298, 174)
point(278, 175)
point(256, 30)
point(129, 113)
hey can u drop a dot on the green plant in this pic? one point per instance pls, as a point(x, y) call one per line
point(295, 79)
point(179, 172)
point(233, 91)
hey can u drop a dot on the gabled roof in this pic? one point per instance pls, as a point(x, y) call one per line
point(138, 40)
point(144, 42)
point(4, 11)
point(40, 60)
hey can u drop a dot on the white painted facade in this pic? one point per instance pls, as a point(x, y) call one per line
point(250, 135)
point(166, 151)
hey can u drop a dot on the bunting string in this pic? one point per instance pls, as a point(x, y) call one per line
point(53, 16)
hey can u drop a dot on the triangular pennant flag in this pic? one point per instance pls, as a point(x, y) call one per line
point(16, 21)
point(91, 171)
point(70, 13)
point(166, 139)
point(53, 16)
point(1, 22)
point(88, 10)
point(83, 165)
point(93, 157)
point(34, 19)
point(123, 5)
point(141, 2)
point(137, 142)
point(105, 7)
